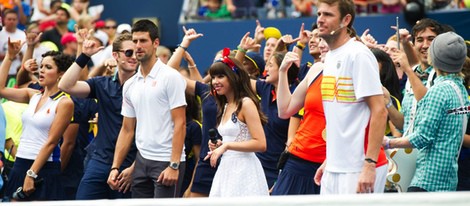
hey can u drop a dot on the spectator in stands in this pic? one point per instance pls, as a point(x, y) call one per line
point(254, 64)
point(241, 8)
point(80, 8)
point(24, 12)
point(270, 35)
point(110, 26)
point(214, 9)
point(303, 7)
point(439, 126)
point(41, 9)
point(163, 53)
point(392, 6)
point(420, 76)
point(55, 35)
point(391, 47)
point(464, 156)
point(10, 30)
point(69, 43)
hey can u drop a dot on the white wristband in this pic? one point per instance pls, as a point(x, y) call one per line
point(389, 103)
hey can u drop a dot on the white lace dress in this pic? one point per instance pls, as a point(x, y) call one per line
point(239, 173)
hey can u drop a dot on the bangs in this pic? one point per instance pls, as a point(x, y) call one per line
point(218, 68)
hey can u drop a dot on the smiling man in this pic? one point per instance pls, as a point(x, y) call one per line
point(108, 91)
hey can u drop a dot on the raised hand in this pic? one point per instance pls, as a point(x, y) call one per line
point(289, 59)
point(304, 35)
point(399, 58)
point(405, 35)
point(81, 34)
point(90, 46)
point(368, 39)
point(248, 43)
point(31, 65)
point(32, 38)
point(259, 32)
point(190, 35)
point(14, 47)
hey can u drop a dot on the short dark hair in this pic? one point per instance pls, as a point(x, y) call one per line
point(62, 61)
point(67, 13)
point(9, 11)
point(432, 24)
point(145, 25)
point(345, 7)
point(53, 2)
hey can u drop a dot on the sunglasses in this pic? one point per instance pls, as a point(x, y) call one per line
point(110, 27)
point(127, 53)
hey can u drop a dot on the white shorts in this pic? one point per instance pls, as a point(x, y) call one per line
point(346, 183)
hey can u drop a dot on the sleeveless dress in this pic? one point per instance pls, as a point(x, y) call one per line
point(239, 173)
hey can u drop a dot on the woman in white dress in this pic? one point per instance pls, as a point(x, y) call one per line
point(239, 122)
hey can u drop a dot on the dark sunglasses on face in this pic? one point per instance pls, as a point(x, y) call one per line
point(127, 53)
point(110, 27)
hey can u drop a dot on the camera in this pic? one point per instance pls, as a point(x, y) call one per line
point(19, 193)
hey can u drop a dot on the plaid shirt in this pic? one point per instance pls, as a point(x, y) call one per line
point(438, 135)
point(407, 102)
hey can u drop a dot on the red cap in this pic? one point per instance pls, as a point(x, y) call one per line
point(100, 24)
point(67, 38)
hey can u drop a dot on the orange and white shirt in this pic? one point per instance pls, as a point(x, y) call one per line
point(351, 73)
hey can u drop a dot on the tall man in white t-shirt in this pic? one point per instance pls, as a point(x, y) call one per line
point(153, 107)
point(353, 104)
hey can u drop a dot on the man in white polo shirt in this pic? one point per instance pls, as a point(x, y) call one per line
point(154, 109)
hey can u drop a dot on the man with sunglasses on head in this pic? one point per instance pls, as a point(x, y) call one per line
point(108, 91)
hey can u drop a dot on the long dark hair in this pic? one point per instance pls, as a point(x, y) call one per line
point(240, 82)
point(193, 108)
point(388, 73)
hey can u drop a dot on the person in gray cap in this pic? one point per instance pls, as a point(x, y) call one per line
point(441, 119)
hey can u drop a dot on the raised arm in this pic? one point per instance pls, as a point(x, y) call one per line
point(28, 64)
point(419, 89)
point(302, 43)
point(288, 104)
point(177, 56)
point(69, 82)
point(193, 71)
point(17, 95)
point(259, 35)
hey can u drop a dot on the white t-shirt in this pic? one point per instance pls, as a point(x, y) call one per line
point(17, 35)
point(351, 73)
point(150, 100)
point(37, 15)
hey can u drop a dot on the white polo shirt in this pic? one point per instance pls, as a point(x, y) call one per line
point(150, 100)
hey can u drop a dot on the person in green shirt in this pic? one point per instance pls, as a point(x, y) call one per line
point(441, 119)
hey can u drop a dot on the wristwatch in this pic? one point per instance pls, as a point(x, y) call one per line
point(174, 165)
point(31, 173)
